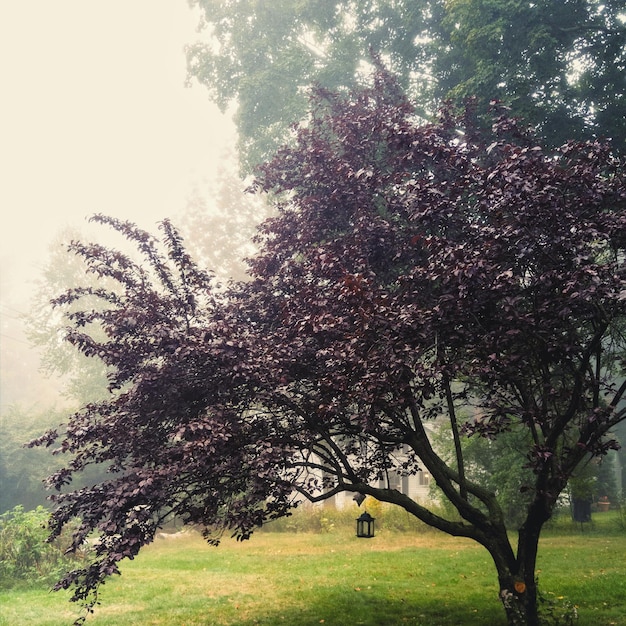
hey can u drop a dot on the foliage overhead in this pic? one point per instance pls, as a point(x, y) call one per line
point(412, 270)
point(559, 65)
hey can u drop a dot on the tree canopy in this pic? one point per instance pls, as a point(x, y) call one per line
point(413, 274)
point(559, 65)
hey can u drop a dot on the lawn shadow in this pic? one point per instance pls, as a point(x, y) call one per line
point(357, 607)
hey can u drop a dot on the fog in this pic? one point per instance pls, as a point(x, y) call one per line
point(95, 118)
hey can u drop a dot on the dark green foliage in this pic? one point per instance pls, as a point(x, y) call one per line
point(595, 480)
point(561, 66)
point(606, 485)
point(22, 469)
point(500, 465)
point(266, 55)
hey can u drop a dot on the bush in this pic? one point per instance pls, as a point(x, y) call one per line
point(612, 522)
point(311, 519)
point(26, 557)
point(324, 519)
point(556, 610)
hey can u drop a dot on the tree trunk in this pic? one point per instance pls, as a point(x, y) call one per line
point(516, 576)
point(519, 598)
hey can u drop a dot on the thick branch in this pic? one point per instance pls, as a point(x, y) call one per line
point(445, 477)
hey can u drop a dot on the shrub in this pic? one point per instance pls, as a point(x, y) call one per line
point(325, 519)
point(312, 519)
point(556, 610)
point(26, 556)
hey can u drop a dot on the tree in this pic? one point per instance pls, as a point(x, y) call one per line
point(21, 470)
point(497, 464)
point(560, 66)
point(412, 273)
point(219, 226)
point(263, 56)
point(83, 379)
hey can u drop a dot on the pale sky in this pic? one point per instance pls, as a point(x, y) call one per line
point(95, 117)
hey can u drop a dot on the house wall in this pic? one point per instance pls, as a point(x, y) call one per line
point(417, 487)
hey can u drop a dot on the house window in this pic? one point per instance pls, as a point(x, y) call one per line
point(393, 480)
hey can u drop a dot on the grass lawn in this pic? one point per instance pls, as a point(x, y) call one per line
point(334, 579)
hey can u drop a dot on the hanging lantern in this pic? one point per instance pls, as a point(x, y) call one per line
point(365, 525)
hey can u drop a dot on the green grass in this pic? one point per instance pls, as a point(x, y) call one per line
point(334, 578)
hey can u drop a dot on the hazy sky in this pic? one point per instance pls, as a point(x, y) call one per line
point(94, 117)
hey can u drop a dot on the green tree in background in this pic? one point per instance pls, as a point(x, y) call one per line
point(265, 56)
point(559, 65)
point(77, 379)
point(498, 464)
point(219, 225)
point(83, 379)
point(22, 469)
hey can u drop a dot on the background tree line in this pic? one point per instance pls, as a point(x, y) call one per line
point(561, 65)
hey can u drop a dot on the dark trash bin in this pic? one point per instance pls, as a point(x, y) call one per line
point(581, 510)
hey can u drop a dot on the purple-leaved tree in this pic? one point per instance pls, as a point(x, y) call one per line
point(412, 274)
